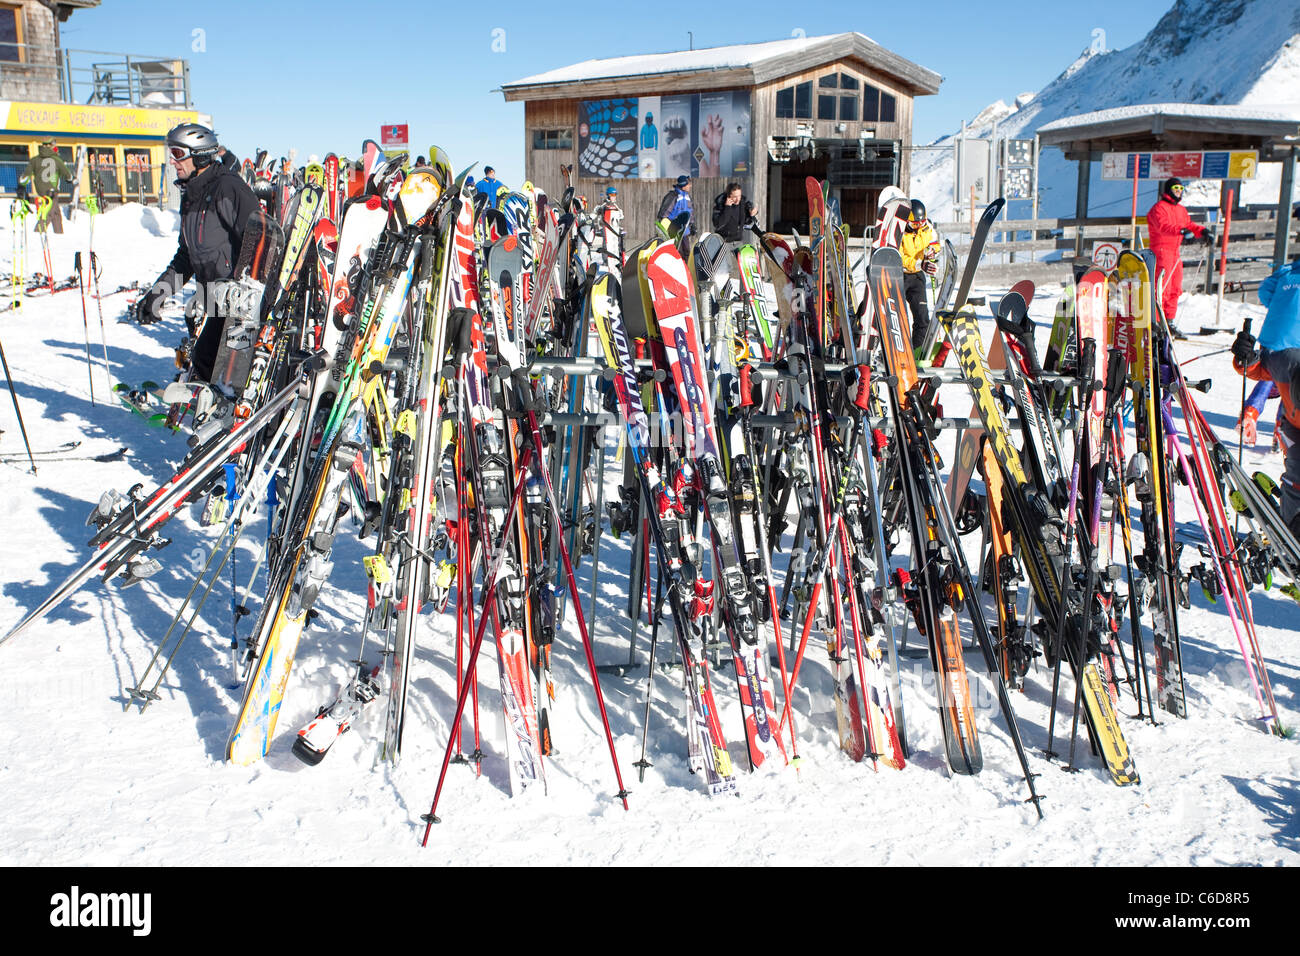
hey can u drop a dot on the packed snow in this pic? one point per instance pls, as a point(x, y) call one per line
point(89, 780)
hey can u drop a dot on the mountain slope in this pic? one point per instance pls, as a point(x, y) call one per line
point(1201, 51)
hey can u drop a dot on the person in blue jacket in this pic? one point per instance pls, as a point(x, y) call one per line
point(490, 186)
point(649, 134)
point(674, 218)
point(1275, 357)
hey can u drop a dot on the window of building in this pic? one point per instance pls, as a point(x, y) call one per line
point(11, 34)
point(803, 101)
point(13, 164)
point(825, 107)
point(552, 139)
point(849, 108)
point(139, 172)
point(103, 171)
point(785, 103)
point(830, 81)
point(848, 82)
point(870, 103)
point(887, 113)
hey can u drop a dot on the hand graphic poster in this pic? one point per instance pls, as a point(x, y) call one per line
point(724, 134)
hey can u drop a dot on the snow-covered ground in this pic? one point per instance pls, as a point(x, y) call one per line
point(87, 780)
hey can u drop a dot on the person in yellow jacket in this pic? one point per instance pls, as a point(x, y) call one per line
point(919, 249)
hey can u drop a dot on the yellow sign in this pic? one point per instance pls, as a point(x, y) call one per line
point(1242, 164)
point(94, 121)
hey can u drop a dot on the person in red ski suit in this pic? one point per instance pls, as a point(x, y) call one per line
point(1169, 224)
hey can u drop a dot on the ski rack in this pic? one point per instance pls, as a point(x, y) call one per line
point(594, 365)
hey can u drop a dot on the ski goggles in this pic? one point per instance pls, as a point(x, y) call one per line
point(1176, 189)
point(178, 153)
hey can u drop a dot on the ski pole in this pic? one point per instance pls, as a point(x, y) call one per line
point(99, 304)
point(81, 284)
point(9, 380)
point(85, 324)
point(1085, 392)
point(1241, 416)
point(1223, 260)
point(491, 578)
point(642, 764)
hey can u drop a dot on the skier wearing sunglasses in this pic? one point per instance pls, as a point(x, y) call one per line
point(215, 206)
point(1169, 224)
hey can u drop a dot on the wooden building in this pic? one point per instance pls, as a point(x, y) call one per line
point(765, 115)
point(110, 110)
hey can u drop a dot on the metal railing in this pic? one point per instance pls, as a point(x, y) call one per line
point(93, 77)
point(146, 184)
point(123, 79)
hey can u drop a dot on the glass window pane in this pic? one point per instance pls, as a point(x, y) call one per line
point(539, 139)
point(870, 103)
point(10, 52)
point(848, 82)
point(886, 108)
point(826, 107)
point(139, 174)
point(803, 101)
point(564, 139)
point(829, 81)
point(849, 108)
point(785, 103)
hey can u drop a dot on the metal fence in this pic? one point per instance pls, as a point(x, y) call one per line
point(134, 182)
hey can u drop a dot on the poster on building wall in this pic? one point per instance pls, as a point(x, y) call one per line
point(677, 135)
point(663, 137)
point(607, 132)
point(648, 138)
point(724, 134)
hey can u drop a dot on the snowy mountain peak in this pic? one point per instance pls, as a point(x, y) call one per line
point(995, 112)
point(1201, 51)
point(1080, 62)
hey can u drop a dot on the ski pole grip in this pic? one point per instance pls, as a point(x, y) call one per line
point(1115, 375)
point(1086, 361)
point(862, 398)
point(746, 388)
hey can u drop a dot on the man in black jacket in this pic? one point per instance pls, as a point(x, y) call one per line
point(732, 210)
point(215, 206)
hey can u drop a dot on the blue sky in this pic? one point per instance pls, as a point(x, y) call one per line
point(324, 76)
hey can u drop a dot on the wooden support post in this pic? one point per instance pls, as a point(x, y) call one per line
point(1282, 235)
point(1081, 204)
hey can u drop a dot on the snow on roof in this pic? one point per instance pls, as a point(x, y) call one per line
point(1247, 114)
point(738, 56)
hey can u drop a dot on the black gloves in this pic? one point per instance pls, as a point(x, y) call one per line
point(148, 308)
point(1245, 349)
point(1207, 239)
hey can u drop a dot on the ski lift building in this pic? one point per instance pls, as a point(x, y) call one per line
point(112, 109)
point(764, 115)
